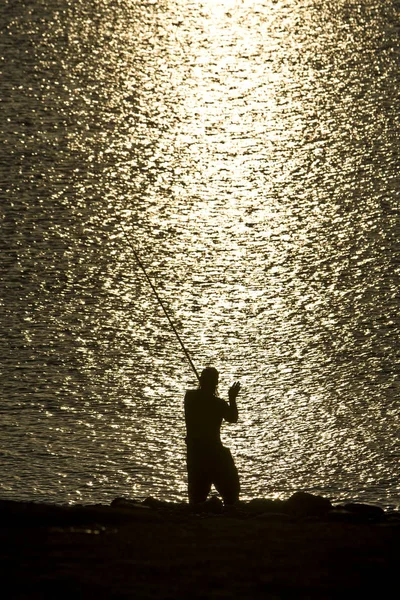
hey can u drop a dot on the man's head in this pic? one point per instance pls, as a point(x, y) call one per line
point(209, 379)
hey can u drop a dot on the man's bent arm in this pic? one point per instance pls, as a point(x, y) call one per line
point(232, 414)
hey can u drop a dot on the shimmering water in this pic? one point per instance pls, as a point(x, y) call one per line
point(249, 152)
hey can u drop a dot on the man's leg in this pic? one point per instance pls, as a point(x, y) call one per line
point(226, 478)
point(199, 479)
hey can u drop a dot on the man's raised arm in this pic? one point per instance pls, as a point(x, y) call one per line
point(232, 411)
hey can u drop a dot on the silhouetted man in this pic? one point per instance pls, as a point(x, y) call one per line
point(208, 461)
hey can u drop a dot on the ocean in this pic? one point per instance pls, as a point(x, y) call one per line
point(248, 152)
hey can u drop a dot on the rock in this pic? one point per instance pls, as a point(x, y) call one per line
point(365, 511)
point(340, 515)
point(393, 516)
point(156, 504)
point(302, 504)
point(125, 503)
point(213, 505)
point(259, 506)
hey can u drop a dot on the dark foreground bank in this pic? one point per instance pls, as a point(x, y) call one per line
point(299, 548)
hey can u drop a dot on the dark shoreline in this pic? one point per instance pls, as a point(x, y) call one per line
point(299, 548)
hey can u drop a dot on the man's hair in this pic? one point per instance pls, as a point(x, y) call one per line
point(209, 377)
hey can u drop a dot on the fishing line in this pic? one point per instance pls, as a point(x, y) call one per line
point(161, 303)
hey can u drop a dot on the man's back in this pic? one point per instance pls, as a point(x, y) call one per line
point(203, 414)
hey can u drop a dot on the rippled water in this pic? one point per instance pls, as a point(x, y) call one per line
point(249, 152)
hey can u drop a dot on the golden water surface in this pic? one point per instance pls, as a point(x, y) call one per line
point(248, 151)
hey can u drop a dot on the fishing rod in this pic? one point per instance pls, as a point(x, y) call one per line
point(141, 265)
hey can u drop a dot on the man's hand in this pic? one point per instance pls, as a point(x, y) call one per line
point(234, 390)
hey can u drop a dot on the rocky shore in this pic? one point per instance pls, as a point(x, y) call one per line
point(302, 547)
